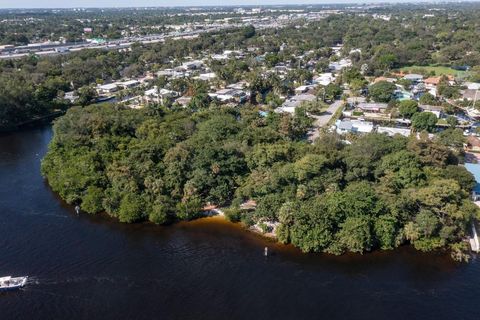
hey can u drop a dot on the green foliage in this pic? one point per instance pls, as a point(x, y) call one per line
point(355, 235)
point(408, 108)
point(382, 91)
point(424, 121)
point(332, 91)
point(376, 192)
point(132, 208)
point(189, 209)
point(92, 200)
point(233, 214)
point(159, 213)
point(428, 99)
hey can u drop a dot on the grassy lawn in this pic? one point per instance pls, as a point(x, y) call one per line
point(438, 70)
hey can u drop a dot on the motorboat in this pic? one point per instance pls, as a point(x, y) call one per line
point(9, 283)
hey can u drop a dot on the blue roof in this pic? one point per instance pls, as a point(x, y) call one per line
point(474, 168)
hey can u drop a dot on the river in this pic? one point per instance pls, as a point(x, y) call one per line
point(90, 267)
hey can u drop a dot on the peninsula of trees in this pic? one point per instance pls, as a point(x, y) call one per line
point(165, 165)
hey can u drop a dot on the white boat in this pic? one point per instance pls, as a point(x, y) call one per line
point(9, 283)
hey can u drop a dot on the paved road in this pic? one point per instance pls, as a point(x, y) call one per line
point(322, 120)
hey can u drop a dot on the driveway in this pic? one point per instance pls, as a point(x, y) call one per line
point(322, 120)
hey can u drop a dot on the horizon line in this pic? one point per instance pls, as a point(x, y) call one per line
point(359, 3)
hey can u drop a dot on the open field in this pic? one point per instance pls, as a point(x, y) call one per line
point(438, 70)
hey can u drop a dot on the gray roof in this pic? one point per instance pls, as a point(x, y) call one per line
point(372, 106)
point(413, 76)
point(344, 125)
point(426, 107)
point(304, 97)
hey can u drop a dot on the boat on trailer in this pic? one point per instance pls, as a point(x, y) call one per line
point(9, 283)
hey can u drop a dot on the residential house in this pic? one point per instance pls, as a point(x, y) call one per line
point(292, 103)
point(107, 88)
point(301, 89)
point(229, 95)
point(472, 85)
point(337, 66)
point(206, 76)
point(238, 86)
point(372, 107)
point(70, 96)
point(324, 79)
point(415, 78)
point(129, 84)
point(193, 65)
point(159, 96)
point(394, 131)
point(471, 95)
point(353, 126)
point(436, 110)
point(183, 101)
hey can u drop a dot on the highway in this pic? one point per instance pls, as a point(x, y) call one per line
point(56, 49)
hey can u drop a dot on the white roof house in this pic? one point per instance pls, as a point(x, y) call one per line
point(372, 107)
point(192, 65)
point(239, 85)
point(353, 126)
point(393, 131)
point(436, 110)
point(107, 88)
point(339, 65)
point(129, 83)
point(473, 85)
point(413, 77)
point(219, 57)
point(227, 94)
point(165, 73)
point(302, 89)
point(324, 79)
point(206, 76)
point(291, 104)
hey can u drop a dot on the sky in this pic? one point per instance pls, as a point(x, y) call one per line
point(164, 3)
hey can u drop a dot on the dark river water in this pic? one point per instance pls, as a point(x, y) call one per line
point(85, 267)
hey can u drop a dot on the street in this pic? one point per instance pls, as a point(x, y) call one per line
point(322, 120)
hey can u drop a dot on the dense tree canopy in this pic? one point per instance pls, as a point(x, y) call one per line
point(377, 192)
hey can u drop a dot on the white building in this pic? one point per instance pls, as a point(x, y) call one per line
point(324, 79)
point(394, 131)
point(129, 84)
point(339, 65)
point(206, 76)
point(353, 126)
point(107, 88)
